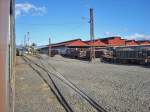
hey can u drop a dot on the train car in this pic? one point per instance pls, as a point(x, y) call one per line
point(78, 53)
point(139, 54)
point(99, 52)
point(133, 54)
point(84, 53)
point(7, 55)
point(108, 54)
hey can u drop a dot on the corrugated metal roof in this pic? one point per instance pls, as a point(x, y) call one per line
point(96, 43)
point(131, 42)
point(77, 43)
point(143, 42)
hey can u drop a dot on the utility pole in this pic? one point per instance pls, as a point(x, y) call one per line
point(28, 42)
point(49, 47)
point(92, 49)
point(24, 40)
point(28, 38)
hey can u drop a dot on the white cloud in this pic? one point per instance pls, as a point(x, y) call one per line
point(27, 8)
point(110, 34)
point(138, 36)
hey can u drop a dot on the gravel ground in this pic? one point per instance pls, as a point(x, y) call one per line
point(32, 94)
point(118, 88)
point(76, 102)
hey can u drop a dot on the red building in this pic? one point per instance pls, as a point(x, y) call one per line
point(131, 42)
point(62, 47)
point(72, 48)
point(96, 43)
point(113, 41)
point(70, 43)
point(79, 45)
point(143, 42)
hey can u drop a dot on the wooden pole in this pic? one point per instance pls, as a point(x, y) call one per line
point(92, 49)
point(49, 46)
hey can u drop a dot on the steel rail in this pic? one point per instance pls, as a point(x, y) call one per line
point(57, 93)
point(58, 75)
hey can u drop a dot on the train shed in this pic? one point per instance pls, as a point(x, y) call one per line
point(65, 47)
point(113, 41)
point(143, 42)
point(96, 43)
point(131, 43)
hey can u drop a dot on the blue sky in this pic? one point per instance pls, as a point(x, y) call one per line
point(68, 19)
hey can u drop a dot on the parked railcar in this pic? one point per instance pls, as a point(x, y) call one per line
point(83, 53)
point(133, 54)
point(7, 55)
point(128, 54)
point(78, 53)
point(99, 52)
point(108, 54)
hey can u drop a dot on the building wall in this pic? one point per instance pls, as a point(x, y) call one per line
point(60, 49)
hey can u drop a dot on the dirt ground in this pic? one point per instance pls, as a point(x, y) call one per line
point(118, 88)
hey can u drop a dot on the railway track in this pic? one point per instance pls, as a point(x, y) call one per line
point(52, 87)
point(58, 75)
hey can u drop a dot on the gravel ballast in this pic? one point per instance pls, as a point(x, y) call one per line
point(32, 93)
point(118, 88)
